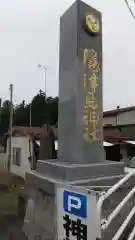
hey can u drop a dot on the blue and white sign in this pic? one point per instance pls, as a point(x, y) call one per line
point(76, 213)
point(75, 203)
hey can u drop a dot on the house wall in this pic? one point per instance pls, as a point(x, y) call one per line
point(126, 117)
point(110, 120)
point(121, 119)
point(108, 131)
point(23, 143)
point(128, 130)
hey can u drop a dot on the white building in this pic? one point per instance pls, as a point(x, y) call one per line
point(24, 149)
point(119, 116)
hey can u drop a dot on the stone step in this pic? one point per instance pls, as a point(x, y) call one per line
point(104, 183)
point(101, 182)
point(66, 171)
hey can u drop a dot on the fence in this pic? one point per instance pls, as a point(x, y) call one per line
point(105, 223)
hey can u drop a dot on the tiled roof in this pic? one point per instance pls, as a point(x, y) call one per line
point(30, 131)
point(33, 132)
point(116, 111)
point(117, 135)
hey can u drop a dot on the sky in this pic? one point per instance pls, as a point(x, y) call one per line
point(29, 35)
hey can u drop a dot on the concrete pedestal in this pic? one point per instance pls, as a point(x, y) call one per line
point(41, 210)
point(40, 221)
point(48, 172)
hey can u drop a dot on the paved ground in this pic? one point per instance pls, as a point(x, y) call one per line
point(10, 228)
point(10, 225)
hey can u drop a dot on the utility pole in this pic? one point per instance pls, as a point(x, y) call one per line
point(45, 81)
point(30, 147)
point(45, 69)
point(10, 125)
point(30, 114)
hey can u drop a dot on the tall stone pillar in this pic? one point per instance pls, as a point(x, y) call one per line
point(80, 126)
point(80, 86)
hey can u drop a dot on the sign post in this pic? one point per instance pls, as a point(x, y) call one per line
point(76, 213)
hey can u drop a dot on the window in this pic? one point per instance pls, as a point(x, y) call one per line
point(16, 156)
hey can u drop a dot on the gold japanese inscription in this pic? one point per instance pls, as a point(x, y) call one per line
point(91, 105)
point(85, 56)
point(94, 82)
point(85, 80)
point(93, 62)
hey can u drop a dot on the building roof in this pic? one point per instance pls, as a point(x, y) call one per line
point(118, 110)
point(118, 126)
point(32, 132)
point(37, 133)
point(117, 136)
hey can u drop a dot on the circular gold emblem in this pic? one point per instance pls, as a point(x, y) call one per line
point(92, 23)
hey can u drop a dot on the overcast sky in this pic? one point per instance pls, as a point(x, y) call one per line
point(29, 34)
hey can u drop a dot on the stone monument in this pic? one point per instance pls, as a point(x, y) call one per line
point(80, 121)
point(81, 159)
point(80, 86)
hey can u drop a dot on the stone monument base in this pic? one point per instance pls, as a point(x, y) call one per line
point(41, 209)
point(66, 171)
point(48, 172)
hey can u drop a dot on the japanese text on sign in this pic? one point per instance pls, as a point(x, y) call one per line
point(74, 204)
point(91, 105)
point(74, 228)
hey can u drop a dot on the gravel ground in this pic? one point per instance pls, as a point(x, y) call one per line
point(10, 228)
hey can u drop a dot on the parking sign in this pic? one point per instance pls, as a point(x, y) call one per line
point(75, 203)
point(76, 213)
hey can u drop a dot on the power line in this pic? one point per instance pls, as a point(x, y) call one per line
point(129, 8)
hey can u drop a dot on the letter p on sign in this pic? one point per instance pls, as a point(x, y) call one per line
point(75, 204)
